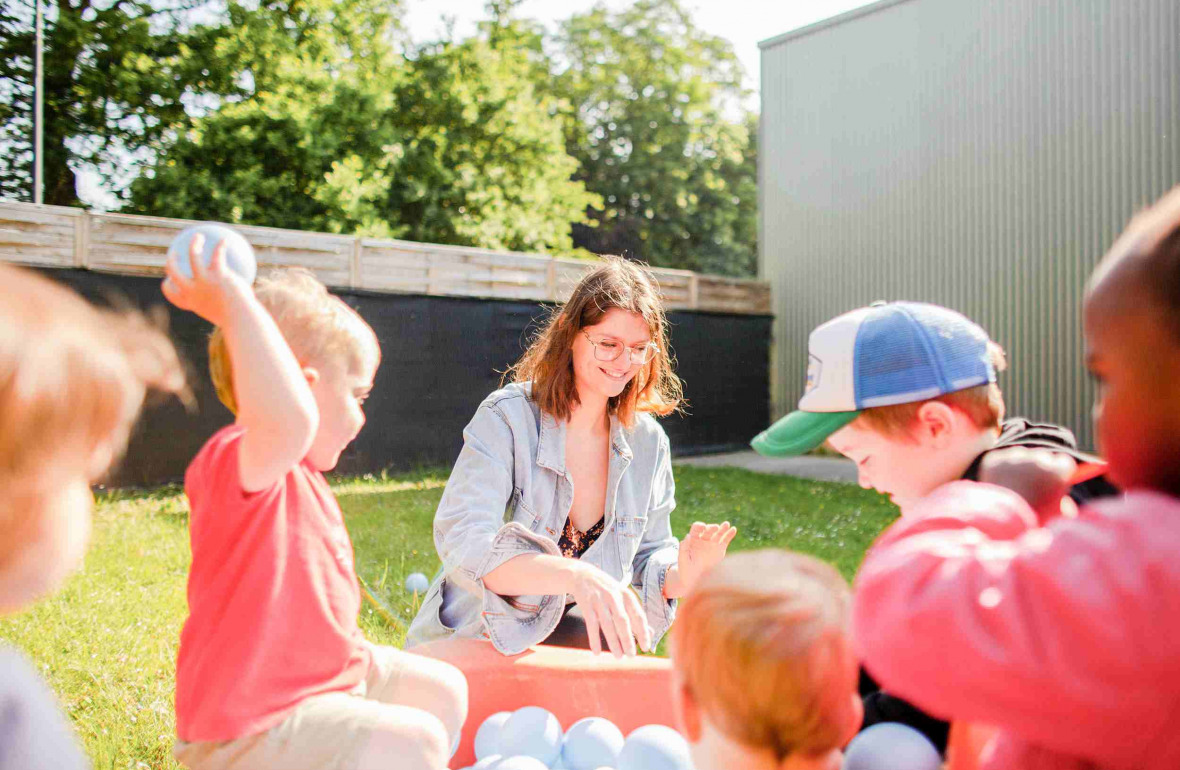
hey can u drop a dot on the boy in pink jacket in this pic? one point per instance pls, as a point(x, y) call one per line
point(1063, 631)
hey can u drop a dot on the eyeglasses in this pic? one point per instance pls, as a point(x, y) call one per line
point(610, 350)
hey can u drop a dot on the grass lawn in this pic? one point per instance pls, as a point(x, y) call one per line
point(107, 642)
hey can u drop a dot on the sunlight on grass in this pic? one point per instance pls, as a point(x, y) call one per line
point(107, 642)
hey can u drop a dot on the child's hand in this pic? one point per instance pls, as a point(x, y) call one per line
point(703, 547)
point(210, 289)
point(1040, 476)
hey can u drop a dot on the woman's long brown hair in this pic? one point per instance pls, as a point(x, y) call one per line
point(548, 362)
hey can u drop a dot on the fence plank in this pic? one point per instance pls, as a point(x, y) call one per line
point(122, 243)
point(37, 235)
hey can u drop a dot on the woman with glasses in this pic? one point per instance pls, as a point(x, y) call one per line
point(554, 525)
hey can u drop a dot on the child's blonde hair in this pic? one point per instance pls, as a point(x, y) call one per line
point(318, 326)
point(72, 381)
point(761, 643)
point(984, 404)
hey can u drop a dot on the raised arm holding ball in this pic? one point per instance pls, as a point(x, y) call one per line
point(559, 504)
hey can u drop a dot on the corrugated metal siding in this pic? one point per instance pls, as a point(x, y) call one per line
point(980, 155)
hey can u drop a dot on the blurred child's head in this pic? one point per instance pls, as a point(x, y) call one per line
point(1131, 315)
point(907, 390)
point(338, 351)
point(764, 668)
point(609, 339)
point(72, 381)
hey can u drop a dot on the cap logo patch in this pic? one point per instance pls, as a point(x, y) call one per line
point(814, 367)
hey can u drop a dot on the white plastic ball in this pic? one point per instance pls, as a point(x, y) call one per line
point(891, 746)
point(520, 762)
point(533, 732)
point(591, 743)
point(487, 737)
point(239, 256)
point(487, 763)
point(417, 583)
point(655, 747)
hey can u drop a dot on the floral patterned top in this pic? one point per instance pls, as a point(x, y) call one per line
point(574, 542)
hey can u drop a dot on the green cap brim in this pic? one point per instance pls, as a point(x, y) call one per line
point(800, 432)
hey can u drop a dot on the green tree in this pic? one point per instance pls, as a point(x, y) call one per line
point(312, 82)
point(650, 98)
point(451, 145)
point(123, 78)
point(117, 75)
point(485, 153)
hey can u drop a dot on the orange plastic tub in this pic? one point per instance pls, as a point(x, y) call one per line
point(572, 684)
point(967, 744)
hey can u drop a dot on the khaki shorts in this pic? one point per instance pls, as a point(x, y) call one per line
point(325, 732)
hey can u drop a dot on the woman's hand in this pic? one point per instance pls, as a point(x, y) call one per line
point(611, 606)
point(702, 548)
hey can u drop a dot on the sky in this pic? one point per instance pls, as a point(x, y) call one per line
point(743, 22)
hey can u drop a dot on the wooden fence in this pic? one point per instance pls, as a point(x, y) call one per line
point(54, 236)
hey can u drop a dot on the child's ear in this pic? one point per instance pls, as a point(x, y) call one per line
point(688, 713)
point(856, 718)
point(935, 424)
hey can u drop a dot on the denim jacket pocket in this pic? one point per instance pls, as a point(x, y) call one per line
point(437, 611)
point(428, 625)
point(629, 531)
point(523, 513)
point(630, 526)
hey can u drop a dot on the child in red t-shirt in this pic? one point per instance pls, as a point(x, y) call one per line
point(273, 671)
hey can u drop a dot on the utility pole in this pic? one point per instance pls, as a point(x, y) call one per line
point(38, 109)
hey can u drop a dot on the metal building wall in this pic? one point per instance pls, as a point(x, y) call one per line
point(981, 155)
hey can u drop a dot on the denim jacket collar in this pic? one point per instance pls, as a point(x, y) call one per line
point(551, 442)
point(618, 438)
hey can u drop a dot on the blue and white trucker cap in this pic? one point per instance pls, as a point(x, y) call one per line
point(884, 354)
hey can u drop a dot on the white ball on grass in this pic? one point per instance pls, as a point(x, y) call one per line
point(591, 743)
point(239, 256)
point(891, 746)
point(655, 747)
point(531, 731)
point(417, 583)
point(487, 737)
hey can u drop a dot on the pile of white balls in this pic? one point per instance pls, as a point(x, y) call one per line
point(531, 739)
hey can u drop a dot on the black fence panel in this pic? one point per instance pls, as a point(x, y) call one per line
point(440, 357)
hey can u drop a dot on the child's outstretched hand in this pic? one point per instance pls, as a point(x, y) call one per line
point(703, 547)
point(1040, 476)
point(208, 292)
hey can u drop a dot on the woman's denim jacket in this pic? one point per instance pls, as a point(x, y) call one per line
point(509, 494)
